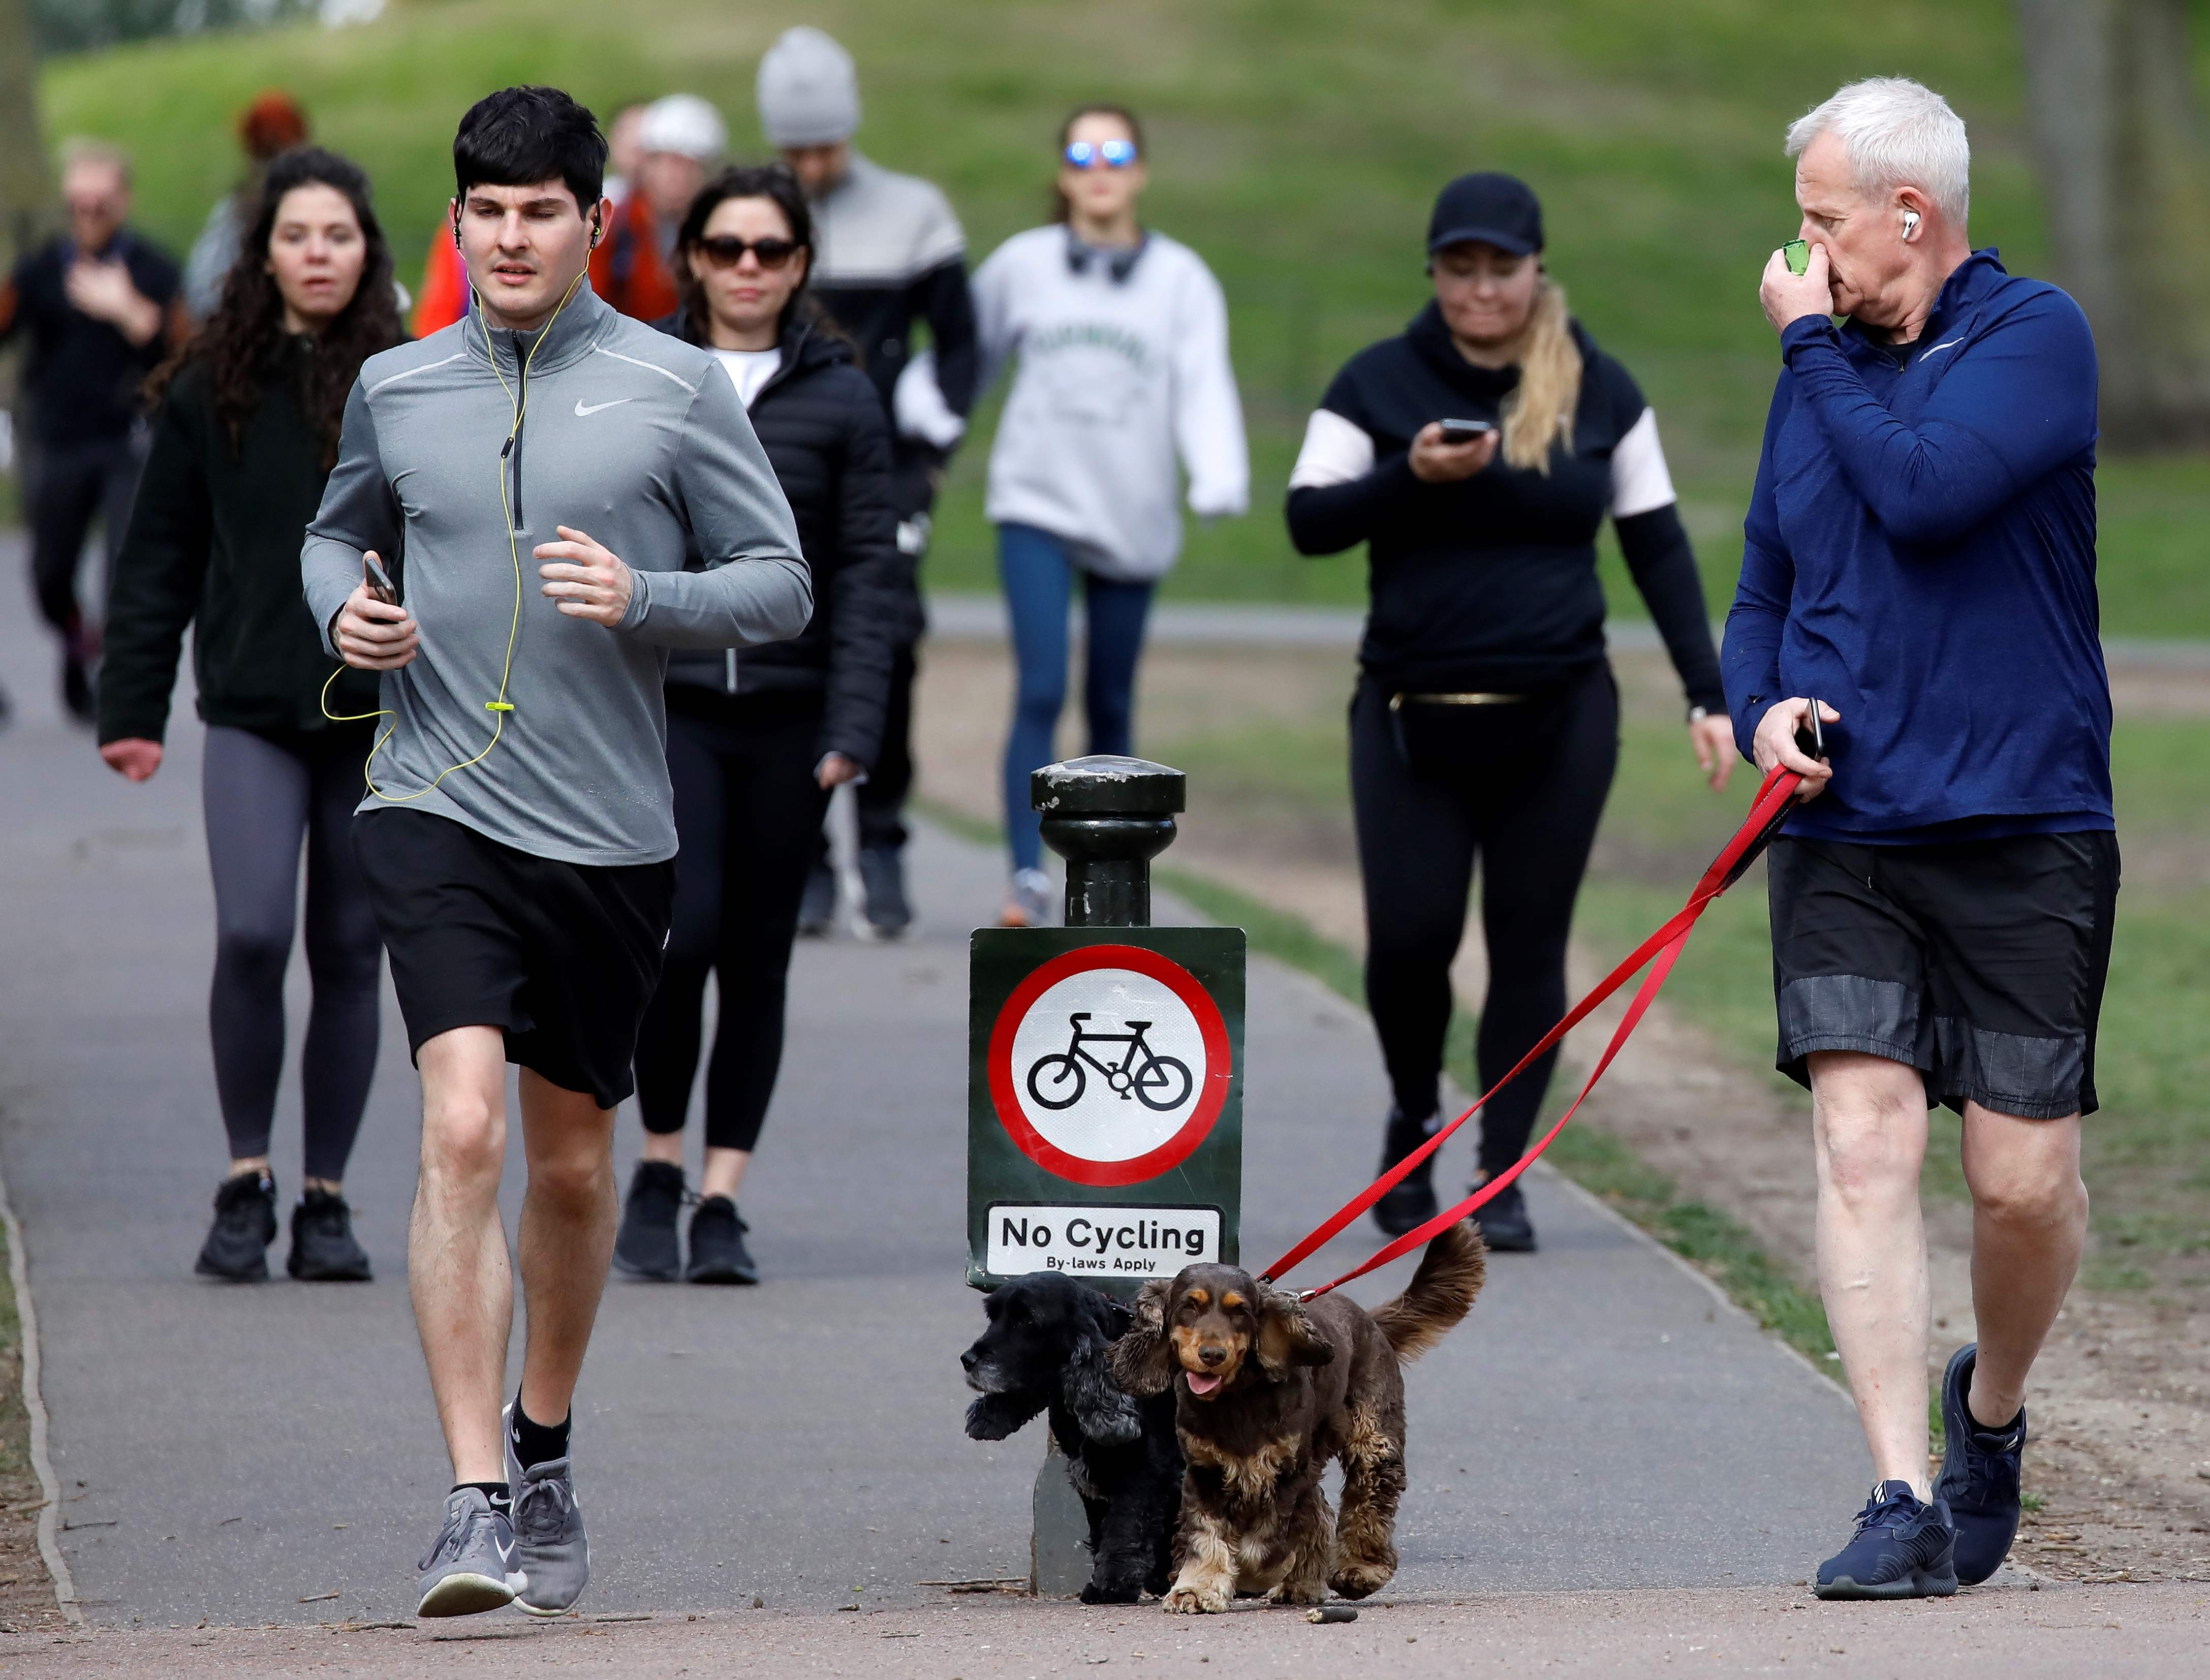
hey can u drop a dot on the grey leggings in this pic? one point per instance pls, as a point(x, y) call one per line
point(264, 793)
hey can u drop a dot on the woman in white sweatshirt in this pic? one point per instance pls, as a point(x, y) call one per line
point(1122, 339)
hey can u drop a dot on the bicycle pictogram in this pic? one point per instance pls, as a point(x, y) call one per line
point(1161, 1082)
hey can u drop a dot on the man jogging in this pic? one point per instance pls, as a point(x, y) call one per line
point(1921, 558)
point(889, 251)
point(544, 465)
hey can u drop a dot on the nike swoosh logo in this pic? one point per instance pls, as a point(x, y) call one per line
point(583, 412)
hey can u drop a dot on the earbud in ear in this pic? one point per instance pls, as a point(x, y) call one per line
point(1910, 223)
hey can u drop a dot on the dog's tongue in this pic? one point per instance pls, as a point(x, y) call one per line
point(1200, 1383)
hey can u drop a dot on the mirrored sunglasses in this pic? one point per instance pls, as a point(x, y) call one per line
point(726, 250)
point(1113, 154)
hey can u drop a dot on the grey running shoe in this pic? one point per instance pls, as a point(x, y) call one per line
point(550, 1547)
point(1028, 900)
point(882, 873)
point(474, 1566)
point(817, 904)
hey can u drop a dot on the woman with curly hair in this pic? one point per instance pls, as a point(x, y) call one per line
point(245, 434)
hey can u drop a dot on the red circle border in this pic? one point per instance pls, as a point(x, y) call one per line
point(1213, 1096)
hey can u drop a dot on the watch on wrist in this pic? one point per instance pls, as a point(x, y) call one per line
point(1697, 714)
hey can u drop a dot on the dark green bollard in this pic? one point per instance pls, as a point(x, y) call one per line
point(1109, 816)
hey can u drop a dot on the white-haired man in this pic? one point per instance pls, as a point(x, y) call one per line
point(1921, 559)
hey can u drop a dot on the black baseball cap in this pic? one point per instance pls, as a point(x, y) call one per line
point(1501, 210)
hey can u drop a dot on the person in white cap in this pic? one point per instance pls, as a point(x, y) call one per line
point(677, 138)
point(888, 250)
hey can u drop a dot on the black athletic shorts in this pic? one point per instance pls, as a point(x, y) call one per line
point(562, 958)
point(1979, 963)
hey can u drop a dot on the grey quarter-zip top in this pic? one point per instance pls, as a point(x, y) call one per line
point(625, 433)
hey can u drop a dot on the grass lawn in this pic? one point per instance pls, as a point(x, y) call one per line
point(1295, 144)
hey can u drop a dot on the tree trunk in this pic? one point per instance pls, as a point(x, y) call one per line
point(25, 190)
point(2118, 131)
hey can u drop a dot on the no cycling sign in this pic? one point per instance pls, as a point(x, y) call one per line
point(1105, 1110)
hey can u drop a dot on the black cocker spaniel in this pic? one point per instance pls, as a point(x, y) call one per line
point(1045, 1351)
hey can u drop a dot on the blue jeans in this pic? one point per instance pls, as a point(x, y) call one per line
point(1038, 571)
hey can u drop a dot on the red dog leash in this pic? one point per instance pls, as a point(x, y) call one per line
point(1766, 815)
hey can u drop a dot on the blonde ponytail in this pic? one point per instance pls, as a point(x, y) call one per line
point(1539, 412)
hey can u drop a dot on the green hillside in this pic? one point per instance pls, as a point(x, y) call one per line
point(1295, 144)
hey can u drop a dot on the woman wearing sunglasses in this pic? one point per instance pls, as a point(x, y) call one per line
point(1121, 335)
point(1477, 454)
point(756, 741)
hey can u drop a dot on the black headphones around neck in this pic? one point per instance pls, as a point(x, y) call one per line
point(1118, 264)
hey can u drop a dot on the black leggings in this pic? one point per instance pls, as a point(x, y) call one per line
point(1432, 787)
point(263, 794)
point(748, 811)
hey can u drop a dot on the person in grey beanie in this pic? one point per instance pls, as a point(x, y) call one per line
point(888, 251)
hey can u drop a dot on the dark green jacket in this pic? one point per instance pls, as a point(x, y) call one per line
point(215, 543)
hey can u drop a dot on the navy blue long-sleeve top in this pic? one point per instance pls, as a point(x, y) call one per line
point(1920, 554)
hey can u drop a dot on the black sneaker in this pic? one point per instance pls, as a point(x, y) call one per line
point(882, 873)
point(817, 904)
point(1904, 1548)
point(1503, 1222)
point(237, 1247)
point(646, 1245)
point(718, 1255)
point(1412, 1202)
point(1979, 1474)
point(324, 1250)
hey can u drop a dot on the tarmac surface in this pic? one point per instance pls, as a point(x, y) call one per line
point(789, 1457)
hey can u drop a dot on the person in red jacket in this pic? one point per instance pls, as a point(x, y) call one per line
point(633, 267)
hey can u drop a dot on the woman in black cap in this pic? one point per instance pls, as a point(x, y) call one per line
point(1485, 722)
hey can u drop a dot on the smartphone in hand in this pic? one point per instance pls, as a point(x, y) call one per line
point(1465, 430)
point(379, 580)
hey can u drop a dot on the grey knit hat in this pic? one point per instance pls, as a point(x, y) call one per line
point(808, 92)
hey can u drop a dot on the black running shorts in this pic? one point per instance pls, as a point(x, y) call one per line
point(562, 958)
point(1979, 963)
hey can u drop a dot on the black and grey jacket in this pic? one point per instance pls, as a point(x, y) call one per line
point(822, 425)
point(888, 251)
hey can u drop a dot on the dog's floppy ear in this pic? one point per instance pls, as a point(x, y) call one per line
point(1103, 1411)
point(1143, 1361)
point(994, 1417)
point(1287, 1336)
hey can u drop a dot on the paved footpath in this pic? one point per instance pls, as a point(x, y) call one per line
point(245, 1456)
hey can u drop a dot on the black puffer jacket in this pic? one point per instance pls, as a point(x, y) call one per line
point(214, 542)
point(822, 425)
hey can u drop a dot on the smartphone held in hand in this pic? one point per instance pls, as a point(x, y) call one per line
point(1465, 430)
point(379, 580)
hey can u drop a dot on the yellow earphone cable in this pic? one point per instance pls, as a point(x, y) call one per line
point(501, 706)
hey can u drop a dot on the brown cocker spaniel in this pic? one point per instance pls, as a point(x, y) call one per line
point(1270, 1389)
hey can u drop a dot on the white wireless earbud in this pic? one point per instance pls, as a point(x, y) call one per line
point(1910, 223)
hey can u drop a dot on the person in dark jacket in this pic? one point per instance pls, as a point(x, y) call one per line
point(100, 306)
point(888, 251)
point(245, 436)
point(756, 742)
point(1486, 721)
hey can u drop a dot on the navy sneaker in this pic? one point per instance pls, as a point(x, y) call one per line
point(1979, 1474)
point(1905, 1548)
